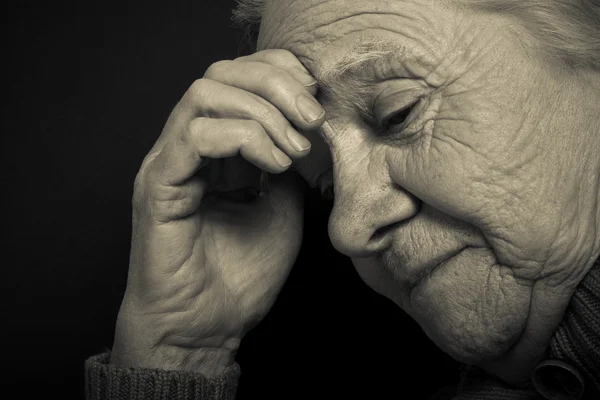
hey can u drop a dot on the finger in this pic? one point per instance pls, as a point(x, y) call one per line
point(211, 99)
point(181, 157)
point(273, 84)
point(287, 61)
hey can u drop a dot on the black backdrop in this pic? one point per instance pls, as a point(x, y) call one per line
point(89, 87)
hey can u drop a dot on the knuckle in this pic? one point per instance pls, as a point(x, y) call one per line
point(261, 111)
point(280, 56)
point(278, 79)
point(253, 131)
point(267, 116)
point(217, 68)
point(194, 134)
point(198, 88)
point(193, 127)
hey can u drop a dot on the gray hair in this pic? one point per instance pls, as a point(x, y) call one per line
point(567, 32)
point(247, 15)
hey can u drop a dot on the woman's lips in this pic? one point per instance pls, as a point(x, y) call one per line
point(416, 274)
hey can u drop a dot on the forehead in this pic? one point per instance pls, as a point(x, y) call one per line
point(325, 34)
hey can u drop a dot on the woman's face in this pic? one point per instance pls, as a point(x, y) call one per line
point(466, 188)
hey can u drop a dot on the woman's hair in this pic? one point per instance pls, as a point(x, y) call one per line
point(567, 32)
point(247, 15)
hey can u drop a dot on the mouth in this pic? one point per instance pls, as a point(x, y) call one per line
point(417, 274)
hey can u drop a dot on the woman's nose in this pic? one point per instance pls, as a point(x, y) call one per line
point(368, 204)
point(365, 213)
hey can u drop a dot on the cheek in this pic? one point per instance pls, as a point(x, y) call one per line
point(439, 172)
point(471, 171)
point(458, 160)
point(472, 307)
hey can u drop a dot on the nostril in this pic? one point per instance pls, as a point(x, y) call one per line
point(380, 233)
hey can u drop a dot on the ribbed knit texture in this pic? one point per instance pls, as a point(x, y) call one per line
point(104, 381)
point(577, 339)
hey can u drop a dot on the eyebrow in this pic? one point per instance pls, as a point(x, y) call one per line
point(350, 76)
point(363, 56)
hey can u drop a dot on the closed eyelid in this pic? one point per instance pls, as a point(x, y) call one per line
point(397, 95)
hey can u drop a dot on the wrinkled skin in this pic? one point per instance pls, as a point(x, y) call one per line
point(478, 215)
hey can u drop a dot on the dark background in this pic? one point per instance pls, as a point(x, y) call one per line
point(89, 87)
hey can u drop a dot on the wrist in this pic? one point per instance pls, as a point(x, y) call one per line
point(209, 362)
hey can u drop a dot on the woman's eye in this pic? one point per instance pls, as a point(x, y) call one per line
point(397, 119)
point(397, 122)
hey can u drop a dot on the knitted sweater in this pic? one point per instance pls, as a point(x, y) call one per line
point(572, 370)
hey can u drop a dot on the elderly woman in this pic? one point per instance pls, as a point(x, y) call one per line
point(461, 140)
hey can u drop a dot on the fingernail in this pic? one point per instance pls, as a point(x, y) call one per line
point(299, 142)
point(281, 158)
point(309, 108)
